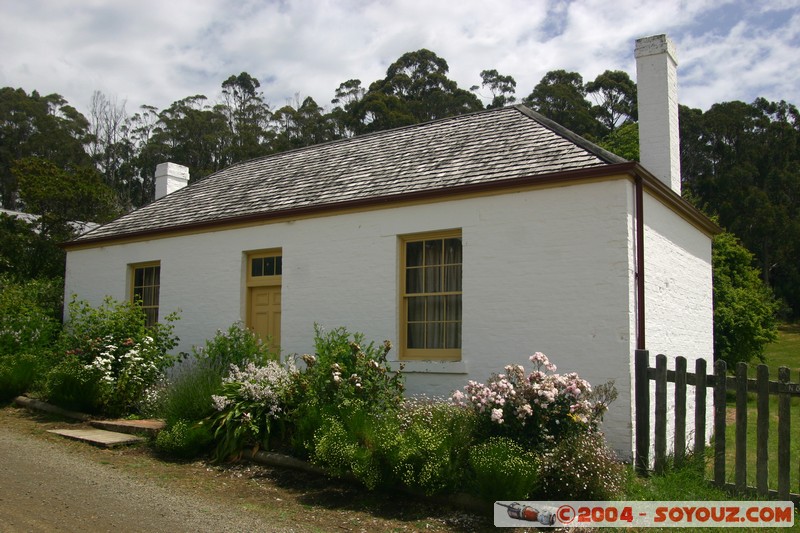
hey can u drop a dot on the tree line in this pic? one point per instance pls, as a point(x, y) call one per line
point(740, 161)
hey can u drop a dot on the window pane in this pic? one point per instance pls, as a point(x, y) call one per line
point(433, 281)
point(269, 266)
point(148, 297)
point(452, 278)
point(453, 305)
point(149, 276)
point(138, 275)
point(435, 308)
point(157, 275)
point(453, 335)
point(279, 265)
point(151, 314)
point(413, 280)
point(433, 252)
point(137, 294)
point(416, 336)
point(258, 267)
point(434, 335)
point(414, 254)
point(452, 251)
point(416, 309)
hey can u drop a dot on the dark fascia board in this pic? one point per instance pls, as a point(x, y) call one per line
point(561, 178)
point(681, 206)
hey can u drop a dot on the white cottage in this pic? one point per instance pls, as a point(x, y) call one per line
point(469, 242)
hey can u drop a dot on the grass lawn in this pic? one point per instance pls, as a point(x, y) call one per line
point(784, 352)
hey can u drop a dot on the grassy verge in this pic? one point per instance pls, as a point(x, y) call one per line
point(784, 352)
point(686, 484)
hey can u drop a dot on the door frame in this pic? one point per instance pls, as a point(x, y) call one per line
point(253, 281)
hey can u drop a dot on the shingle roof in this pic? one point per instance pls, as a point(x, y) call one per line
point(478, 148)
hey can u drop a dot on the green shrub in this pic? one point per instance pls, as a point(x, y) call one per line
point(538, 409)
point(503, 470)
point(184, 439)
point(581, 467)
point(360, 444)
point(235, 347)
point(123, 323)
point(344, 375)
point(29, 316)
point(251, 402)
point(113, 346)
point(73, 385)
point(18, 373)
point(432, 452)
point(187, 392)
point(343, 371)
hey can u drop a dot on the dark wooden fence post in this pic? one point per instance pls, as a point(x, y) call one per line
point(700, 409)
point(660, 421)
point(680, 410)
point(642, 398)
point(762, 431)
point(783, 433)
point(741, 427)
point(720, 376)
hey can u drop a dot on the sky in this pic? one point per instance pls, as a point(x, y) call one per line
point(156, 52)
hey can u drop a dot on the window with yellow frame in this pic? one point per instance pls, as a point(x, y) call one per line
point(431, 296)
point(145, 289)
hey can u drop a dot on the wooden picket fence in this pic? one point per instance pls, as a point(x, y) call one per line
point(720, 382)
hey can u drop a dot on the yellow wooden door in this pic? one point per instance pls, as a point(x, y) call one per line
point(265, 315)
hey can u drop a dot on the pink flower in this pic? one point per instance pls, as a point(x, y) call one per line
point(497, 416)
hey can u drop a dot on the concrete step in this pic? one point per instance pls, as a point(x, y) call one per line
point(98, 437)
point(133, 427)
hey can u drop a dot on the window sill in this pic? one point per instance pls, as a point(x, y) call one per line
point(430, 367)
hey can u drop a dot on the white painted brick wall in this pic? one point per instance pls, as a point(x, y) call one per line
point(679, 299)
point(547, 270)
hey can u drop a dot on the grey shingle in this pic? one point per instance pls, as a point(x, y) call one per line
point(478, 148)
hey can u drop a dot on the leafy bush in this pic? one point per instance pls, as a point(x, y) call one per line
point(18, 373)
point(251, 400)
point(187, 392)
point(345, 370)
point(344, 375)
point(235, 347)
point(581, 467)
point(744, 306)
point(433, 445)
point(184, 439)
point(73, 385)
point(29, 316)
point(503, 470)
point(115, 350)
point(357, 445)
point(538, 409)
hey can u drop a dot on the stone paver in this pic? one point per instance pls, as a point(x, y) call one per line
point(98, 437)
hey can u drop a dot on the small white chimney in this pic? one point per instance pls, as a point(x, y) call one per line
point(170, 177)
point(657, 82)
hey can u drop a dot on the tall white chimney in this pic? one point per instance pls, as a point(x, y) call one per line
point(170, 177)
point(657, 82)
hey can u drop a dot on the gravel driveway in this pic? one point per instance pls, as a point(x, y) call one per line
point(45, 488)
point(49, 483)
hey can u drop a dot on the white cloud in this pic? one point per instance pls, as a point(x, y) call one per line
point(155, 52)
